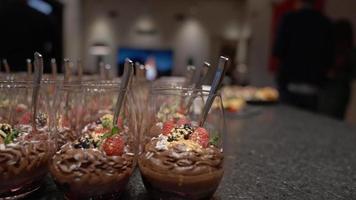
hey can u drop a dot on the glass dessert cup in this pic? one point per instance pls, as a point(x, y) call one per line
point(24, 150)
point(178, 158)
point(141, 88)
point(171, 82)
point(98, 162)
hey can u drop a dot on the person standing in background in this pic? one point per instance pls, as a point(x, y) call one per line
point(334, 97)
point(304, 49)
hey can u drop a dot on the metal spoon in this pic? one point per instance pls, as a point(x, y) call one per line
point(137, 67)
point(189, 76)
point(210, 75)
point(67, 70)
point(218, 78)
point(126, 77)
point(198, 83)
point(140, 71)
point(38, 64)
point(29, 68)
point(66, 79)
point(54, 68)
point(6, 65)
point(107, 69)
point(102, 70)
point(80, 69)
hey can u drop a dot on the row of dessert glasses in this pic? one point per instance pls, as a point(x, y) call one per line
point(91, 149)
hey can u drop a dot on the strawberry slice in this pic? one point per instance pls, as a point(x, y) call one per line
point(167, 127)
point(201, 136)
point(25, 118)
point(183, 121)
point(21, 108)
point(114, 146)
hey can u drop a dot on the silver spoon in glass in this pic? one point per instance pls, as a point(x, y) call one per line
point(80, 69)
point(6, 66)
point(217, 81)
point(29, 68)
point(198, 83)
point(38, 64)
point(54, 68)
point(126, 77)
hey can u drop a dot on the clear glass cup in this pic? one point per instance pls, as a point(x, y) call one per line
point(179, 159)
point(96, 159)
point(171, 82)
point(24, 150)
point(141, 90)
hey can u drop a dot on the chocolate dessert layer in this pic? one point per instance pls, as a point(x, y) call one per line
point(65, 135)
point(194, 174)
point(89, 172)
point(22, 163)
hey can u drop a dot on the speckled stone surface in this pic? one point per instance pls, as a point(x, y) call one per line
point(279, 153)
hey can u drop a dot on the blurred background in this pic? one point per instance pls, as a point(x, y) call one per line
point(170, 35)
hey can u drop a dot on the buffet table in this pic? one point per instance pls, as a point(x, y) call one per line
point(277, 153)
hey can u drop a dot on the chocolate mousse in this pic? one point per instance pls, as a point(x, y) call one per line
point(24, 155)
point(182, 162)
point(97, 165)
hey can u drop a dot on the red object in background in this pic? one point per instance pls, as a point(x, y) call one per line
point(279, 9)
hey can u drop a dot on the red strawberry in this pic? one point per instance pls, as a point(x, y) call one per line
point(200, 136)
point(114, 146)
point(167, 127)
point(25, 118)
point(20, 108)
point(183, 121)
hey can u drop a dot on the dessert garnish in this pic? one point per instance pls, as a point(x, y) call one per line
point(7, 135)
point(98, 164)
point(182, 133)
point(10, 134)
point(101, 134)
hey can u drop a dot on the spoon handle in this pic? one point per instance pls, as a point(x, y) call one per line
point(198, 83)
point(54, 68)
point(67, 70)
point(107, 69)
point(219, 76)
point(126, 77)
point(80, 69)
point(189, 76)
point(6, 66)
point(29, 68)
point(140, 71)
point(102, 70)
point(38, 64)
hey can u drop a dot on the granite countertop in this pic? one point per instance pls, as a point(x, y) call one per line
point(278, 153)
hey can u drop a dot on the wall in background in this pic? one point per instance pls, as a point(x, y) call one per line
point(191, 28)
point(259, 22)
point(185, 26)
point(72, 29)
